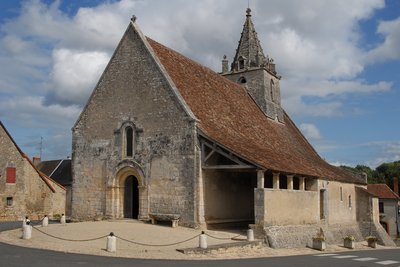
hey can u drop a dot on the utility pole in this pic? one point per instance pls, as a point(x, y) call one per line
point(41, 147)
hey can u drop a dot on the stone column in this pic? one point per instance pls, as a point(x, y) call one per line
point(143, 203)
point(289, 182)
point(275, 180)
point(302, 183)
point(260, 179)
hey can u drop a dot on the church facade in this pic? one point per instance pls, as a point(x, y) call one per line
point(162, 135)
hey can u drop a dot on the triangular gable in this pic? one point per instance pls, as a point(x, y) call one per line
point(382, 191)
point(44, 178)
point(175, 91)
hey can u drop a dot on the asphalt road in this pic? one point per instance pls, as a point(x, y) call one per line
point(19, 256)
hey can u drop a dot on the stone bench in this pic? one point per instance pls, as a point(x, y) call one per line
point(174, 218)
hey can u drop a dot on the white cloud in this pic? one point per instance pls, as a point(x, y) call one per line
point(386, 151)
point(32, 112)
point(74, 74)
point(53, 59)
point(390, 48)
point(310, 131)
point(341, 163)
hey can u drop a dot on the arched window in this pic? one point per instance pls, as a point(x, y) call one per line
point(241, 63)
point(129, 141)
point(242, 80)
point(272, 90)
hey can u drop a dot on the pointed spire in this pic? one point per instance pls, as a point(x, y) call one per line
point(249, 52)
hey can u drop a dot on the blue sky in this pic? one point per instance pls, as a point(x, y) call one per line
point(339, 62)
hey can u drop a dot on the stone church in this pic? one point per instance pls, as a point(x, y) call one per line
point(162, 135)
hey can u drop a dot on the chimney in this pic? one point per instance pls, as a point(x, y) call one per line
point(36, 160)
point(396, 185)
point(225, 63)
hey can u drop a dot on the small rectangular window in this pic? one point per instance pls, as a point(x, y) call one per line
point(9, 201)
point(341, 194)
point(381, 207)
point(11, 175)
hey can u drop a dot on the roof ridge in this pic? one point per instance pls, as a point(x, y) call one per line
point(208, 69)
point(386, 187)
point(229, 116)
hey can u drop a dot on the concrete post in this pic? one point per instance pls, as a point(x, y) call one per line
point(45, 221)
point(302, 184)
point(289, 182)
point(111, 243)
point(275, 180)
point(203, 240)
point(260, 179)
point(62, 220)
point(27, 232)
point(24, 222)
point(250, 235)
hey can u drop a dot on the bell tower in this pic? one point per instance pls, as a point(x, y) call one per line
point(252, 69)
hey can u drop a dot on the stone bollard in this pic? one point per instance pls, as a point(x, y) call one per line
point(45, 221)
point(202, 240)
point(62, 220)
point(24, 222)
point(111, 243)
point(27, 231)
point(250, 235)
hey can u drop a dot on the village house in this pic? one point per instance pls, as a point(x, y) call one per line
point(60, 171)
point(163, 137)
point(388, 207)
point(24, 190)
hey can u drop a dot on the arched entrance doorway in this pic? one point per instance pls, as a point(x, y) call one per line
point(129, 193)
point(131, 197)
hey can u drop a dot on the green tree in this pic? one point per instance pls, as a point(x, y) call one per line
point(387, 171)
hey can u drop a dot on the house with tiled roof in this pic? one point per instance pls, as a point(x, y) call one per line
point(163, 137)
point(388, 207)
point(24, 190)
point(61, 172)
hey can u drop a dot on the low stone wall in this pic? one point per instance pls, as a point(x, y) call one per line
point(301, 235)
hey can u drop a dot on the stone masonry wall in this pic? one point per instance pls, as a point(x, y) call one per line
point(133, 90)
point(31, 196)
point(259, 86)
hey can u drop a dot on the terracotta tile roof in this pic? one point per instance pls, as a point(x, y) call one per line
point(382, 191)
point(228, 115)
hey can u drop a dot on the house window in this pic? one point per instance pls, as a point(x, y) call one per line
point(11, 175)
point(129, 141)
point(242, 80)
point(341, 194)
point(381, 207)
point(350, 204)
point(9, 201)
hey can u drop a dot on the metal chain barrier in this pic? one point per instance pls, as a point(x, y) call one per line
point(36, 224)
point(66, 239)
point(222, 238)
point(157, 245)
point(131, 241)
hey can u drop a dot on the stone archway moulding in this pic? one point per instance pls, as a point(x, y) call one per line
point(123, 170)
